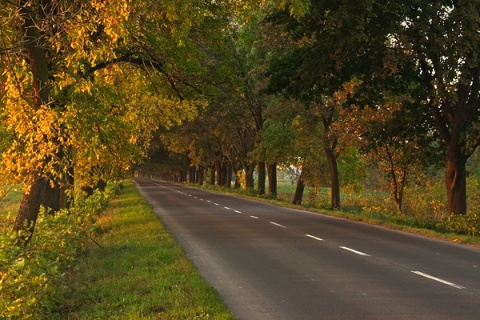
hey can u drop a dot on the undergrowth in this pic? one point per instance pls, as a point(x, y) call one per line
point(32, 278)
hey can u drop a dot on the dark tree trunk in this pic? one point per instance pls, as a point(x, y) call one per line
point(224, 175)
point(272, 178)
point(297, 198)
point(229, 176)
point(218, 168)
point(101, 185)
point(455, 180)
point(28, 212)
point(37, 58)
point(200, 175)
point(397, 181)
point(261, 177)
point(397, 187)
point(455, 141)
point(51, 197)
point(191, 175)
point(212, 175)
point(87, 191)
point(183, 176)
point(454, 120)
point(249, 181)
point(237, 184)
point(334, 179)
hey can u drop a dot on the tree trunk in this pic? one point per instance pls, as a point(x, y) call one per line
point(262, 175)
point(397, 181)
point(37, 58)
point(222, 172)
point(192, 175)
point(200, 175)
point(455, 180)
point(51, 198)
point(249, 181)
point(183, 175)
point(101, 185)
point(212, 175)
point(297, 198)
point(87, 191)
point(236, 184)
point(218, 168)
point(229, 176)
point(334, 179)
point(222, 175)
point(272, 178)
point(28, 212)
point(397, 184)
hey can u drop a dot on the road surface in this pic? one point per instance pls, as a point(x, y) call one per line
point(269, 262)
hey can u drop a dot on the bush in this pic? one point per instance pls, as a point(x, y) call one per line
point(468, 224)
point(32, 283)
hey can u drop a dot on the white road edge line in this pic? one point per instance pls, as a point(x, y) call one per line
point(313, 237)
point(355, 251)
point(277, 224)
point(451, 284)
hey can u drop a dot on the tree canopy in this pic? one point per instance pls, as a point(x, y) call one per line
point(91, 89)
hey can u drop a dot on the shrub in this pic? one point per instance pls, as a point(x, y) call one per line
point(32, 278)
point(468, 224)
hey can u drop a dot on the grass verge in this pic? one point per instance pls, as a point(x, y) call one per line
point(138, 271)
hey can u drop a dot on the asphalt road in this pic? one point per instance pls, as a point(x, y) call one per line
point(269, 262)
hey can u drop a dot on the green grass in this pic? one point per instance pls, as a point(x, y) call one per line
point(9, 204)
point(139, 272)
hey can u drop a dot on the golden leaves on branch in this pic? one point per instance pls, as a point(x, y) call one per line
point(38, 136)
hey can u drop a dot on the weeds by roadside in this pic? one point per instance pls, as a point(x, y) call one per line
point(32, 281)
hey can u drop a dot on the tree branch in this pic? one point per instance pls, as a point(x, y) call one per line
point(148, 62)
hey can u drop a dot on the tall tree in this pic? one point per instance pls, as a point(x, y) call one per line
point(441, 40)
point(393, 137)
point(322, 57)
point(45, 44)
point(59, 59)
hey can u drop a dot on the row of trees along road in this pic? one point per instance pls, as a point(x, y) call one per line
point(91, 87)
point(398, 81)
point(86, 83)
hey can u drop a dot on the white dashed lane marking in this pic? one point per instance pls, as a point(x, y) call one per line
point(448, 283)
point(313, 237)
point(277, 224)
point(355, 251)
